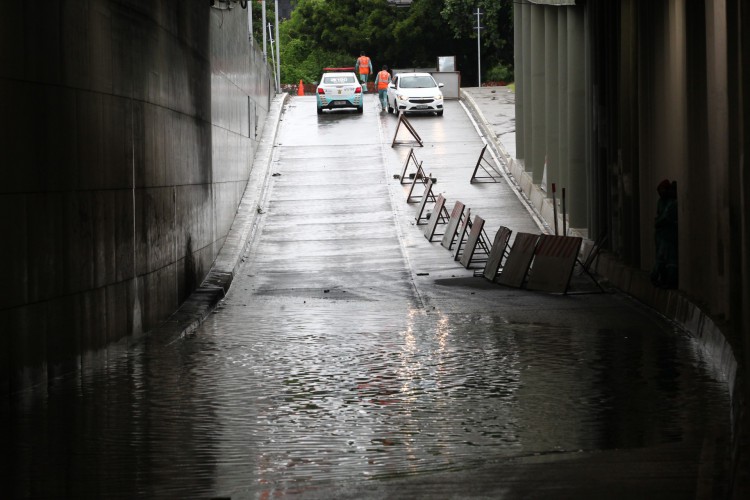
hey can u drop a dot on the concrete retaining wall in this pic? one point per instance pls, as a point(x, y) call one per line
point(128, 134)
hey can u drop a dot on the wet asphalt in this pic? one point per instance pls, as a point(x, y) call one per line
point(353, 358)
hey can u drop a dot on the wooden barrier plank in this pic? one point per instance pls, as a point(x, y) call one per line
point(476, 237)
point(418, 177)
point(554, 261)
point(455, 218)
point(411, 157)
point(461, 234)
point(428, 196)
point(402, 120)
point(483, 163)
point(438, 214)
point(519, 259)
point(497, 252)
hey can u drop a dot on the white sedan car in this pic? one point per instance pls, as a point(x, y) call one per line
point(415, 93)
point(339, 90)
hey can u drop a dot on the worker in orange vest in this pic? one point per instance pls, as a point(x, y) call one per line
point(364, 68)
point(381, 82)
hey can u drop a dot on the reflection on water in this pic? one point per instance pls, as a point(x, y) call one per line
point(288, 394)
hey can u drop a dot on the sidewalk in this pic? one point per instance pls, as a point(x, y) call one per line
point(495, 108)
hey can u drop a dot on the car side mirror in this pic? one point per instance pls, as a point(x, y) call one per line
point(392, 86)
point(441, 85)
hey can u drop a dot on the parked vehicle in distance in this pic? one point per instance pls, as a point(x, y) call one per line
point(339, 90)
point(415, 93)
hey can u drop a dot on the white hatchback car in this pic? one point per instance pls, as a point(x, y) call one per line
point(339, 90)
point(415, 93)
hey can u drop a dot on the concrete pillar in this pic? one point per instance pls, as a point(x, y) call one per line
point(717, 214)
point(551, 98)
point(527, 120)
point(518, 61)
point(576, 182)
point(696, 176)
point(563, 160)
point(624, 216)
point(535, 162)
point(650, 47)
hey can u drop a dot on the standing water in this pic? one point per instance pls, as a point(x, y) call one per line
point(351, 350)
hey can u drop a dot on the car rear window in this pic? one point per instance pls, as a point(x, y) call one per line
point(338, 79)
point(417, 82)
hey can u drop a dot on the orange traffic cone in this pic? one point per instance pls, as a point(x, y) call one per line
point(301, 88)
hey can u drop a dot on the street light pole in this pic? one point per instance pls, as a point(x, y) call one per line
point(479, 47)
point(278, 52)
point(263, 13)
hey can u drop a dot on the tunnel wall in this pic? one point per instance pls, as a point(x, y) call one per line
point(665, 96)
point(128, 134)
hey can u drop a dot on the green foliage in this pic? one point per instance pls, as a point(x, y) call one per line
point(333, 32)
point(500, 73)
point(299, 62)
point(497, 21)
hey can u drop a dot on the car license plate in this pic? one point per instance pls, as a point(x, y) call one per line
point(421, 106)
point(340, 103)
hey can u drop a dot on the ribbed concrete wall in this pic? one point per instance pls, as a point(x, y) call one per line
point(128, 133)
point(664, 96)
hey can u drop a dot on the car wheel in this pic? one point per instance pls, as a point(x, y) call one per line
point(440, 113)
point(359, 109)
point(320, 111)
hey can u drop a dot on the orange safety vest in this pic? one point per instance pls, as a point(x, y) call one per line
point(364, 65)
point(382, 79)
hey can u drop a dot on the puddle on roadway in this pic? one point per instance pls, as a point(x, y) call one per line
point(280, 397)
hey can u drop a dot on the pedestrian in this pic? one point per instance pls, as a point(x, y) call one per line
point(364, 67)
point(664, 273)
point(381, 82)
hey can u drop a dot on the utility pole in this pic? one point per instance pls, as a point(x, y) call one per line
point(263, 8)
point(273, 58)
point(479, 47)
point(278, 52)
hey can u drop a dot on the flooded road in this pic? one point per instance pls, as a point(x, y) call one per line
point(352, 351)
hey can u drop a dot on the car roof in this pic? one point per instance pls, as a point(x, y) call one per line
point(414, 74)
point(339, 73)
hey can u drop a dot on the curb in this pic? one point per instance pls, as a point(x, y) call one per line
point(507, 163)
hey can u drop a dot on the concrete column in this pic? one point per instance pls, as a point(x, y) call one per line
point(650, 47)
point(518, 62)
point(718, 213)
point(624, 217)
point(526, 48)
point(535, 163)
point(563, 160)
point(551, 97)
point(696, 177)
point(576, 182)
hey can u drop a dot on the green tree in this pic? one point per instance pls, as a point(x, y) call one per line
point(324, 33)
point(497, 20)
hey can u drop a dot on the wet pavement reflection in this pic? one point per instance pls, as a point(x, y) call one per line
point(312, 373)
point(283, 396)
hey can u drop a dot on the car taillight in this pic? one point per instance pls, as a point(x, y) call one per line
point(358, 90)
point(321, 91)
